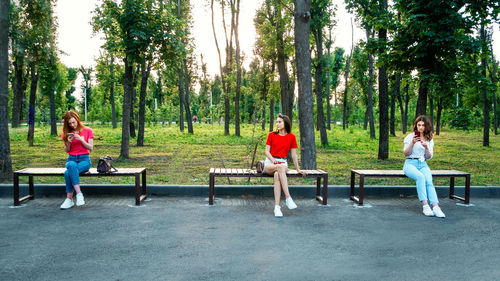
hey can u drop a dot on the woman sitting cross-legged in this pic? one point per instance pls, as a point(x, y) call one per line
point(277, 146)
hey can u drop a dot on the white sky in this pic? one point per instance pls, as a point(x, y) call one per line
point(81, 48)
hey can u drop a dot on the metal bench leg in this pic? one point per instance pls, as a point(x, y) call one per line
point(325, 190)
point(211, 189)
point(452, 187)
point(361, 189)
point(137, 190)
point(467, 189)
point(353, 177)
point(16, 190)
point(31, 188)
point(144, 183)
point(318, 186)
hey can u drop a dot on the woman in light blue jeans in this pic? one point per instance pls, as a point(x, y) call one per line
point(78, 143)
point(418, 148)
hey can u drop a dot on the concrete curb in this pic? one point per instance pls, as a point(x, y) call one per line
point(334, 191)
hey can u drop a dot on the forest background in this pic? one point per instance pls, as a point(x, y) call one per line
point(417, 57)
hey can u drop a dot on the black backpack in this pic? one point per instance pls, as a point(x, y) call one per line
point(105, 165)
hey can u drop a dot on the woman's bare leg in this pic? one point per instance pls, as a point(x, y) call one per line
point(283, 180)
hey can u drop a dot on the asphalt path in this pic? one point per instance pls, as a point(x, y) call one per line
point(182, 238)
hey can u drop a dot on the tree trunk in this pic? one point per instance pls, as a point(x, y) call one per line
point(345, 99)
point(264, 95)
point(18, 89)
point(320, 114)
point(407, 100)
point(145, 70)
point(271, 115)
point(112, 91)
point(53, 124)
point(286, 95)
point(238, 72)
point(394, 93)
point(369, 108)
point(303, 60)
point(5, 158)
point(31, 111)
point(328, 96)
point(484, 92)
point(493, 74)
point(133, 101)
point(226, 99)
point(438, 118)
point(189, 119)
point(127, 100)
point(383, 144)
point(431, 110)
point(181, 99)
point(422, 97)
point(401, 109)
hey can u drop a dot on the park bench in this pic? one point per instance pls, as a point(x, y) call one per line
point(140, 195)
point(452, 174)
point(248, 173)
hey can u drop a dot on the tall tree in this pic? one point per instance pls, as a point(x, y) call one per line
point(21, 71)
point(40, 39)
point(5, 159)
point(302, 15)
point(321, 14)
point(367, 14)
point(383, 142)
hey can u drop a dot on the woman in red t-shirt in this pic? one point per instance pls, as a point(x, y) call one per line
point(78, 142)
point(277, 146)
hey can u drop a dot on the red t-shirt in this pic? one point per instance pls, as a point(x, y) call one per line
point(77, 147)
point(280, 145)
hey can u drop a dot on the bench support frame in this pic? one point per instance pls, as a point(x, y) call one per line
point(321, 196)
point(359, 199)
point(140, 190)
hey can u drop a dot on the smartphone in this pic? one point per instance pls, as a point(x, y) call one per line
point(417, 133)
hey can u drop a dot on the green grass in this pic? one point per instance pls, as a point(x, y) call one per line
point(172, 157)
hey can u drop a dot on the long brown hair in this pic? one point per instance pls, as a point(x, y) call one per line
point(67, 128)
point(428, 126)
point(287, 122)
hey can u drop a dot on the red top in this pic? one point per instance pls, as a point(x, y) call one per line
point(280, 145)
point(77, 147)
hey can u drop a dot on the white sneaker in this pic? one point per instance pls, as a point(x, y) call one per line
point(79, 199)
point(427, 211)
point(277, 212)
point(68, 203)
point(437, 212)
point(290, 204)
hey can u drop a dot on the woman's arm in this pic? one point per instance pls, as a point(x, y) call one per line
point(268, 154)
point(88, 145)
point(296, 162)
point(409, 148)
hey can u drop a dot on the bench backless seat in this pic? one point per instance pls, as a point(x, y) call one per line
point(249, 173)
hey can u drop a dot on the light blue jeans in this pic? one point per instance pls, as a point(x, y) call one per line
point(420, 172)
point(76, 164)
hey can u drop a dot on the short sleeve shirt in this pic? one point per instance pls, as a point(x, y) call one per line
point(280, 145)
point(77, 147)
point(418, 150)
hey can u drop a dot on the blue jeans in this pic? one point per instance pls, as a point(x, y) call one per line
point(76, 164)
point(420, 172)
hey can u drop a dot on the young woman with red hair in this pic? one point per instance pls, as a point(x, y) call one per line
point(78, 142)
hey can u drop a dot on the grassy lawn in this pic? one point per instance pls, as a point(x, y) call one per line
point(172, 157)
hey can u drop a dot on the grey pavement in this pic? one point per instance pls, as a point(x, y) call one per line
point(182, 238)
